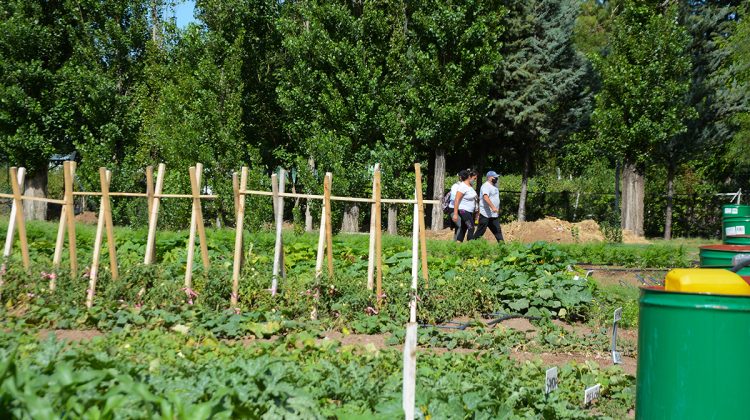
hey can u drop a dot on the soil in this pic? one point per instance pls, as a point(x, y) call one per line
point(87, 218)
point(70, 335)
point(550, 229)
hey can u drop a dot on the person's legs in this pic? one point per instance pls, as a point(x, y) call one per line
point(467, 223)
point(465, 226)
point(483, 221)
point(494, 225)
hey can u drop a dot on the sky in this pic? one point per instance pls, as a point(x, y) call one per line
point(184, 12)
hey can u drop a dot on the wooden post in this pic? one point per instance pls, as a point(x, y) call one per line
point(329, 228)
point(196, 224)
point(20, 223)
point(422, 233)
point(153, 217)
point(104, 177)
point(57, 258)
point(410, 344)
point(238, 231)
point(69, 168)
point(278, 254)
point(378, 239)
point(149, 188)
point(21, 179)
point(373, 222)
point(321, 245)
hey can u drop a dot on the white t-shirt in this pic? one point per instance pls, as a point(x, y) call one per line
point(468, 200)
point(493, 193)
point(454, 188)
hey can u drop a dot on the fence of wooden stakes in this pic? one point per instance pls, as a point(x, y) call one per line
point(154, 195)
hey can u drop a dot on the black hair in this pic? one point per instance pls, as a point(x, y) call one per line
point(463, 175)
point(472, 172)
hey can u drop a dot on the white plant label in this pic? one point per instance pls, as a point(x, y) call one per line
point(739, 230)
point(550, 382)
point(591, 393)
point(618, 314)
point(735, 210)
point(616, 358)
point(727, 211)
point(729, 231)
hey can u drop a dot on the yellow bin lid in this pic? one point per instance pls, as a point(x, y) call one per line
point(706, 280)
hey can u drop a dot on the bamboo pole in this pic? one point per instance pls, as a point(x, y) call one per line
point(69, 168)
point(105, 178)
point(153, 217)
point(111, 194)
point(321, 245)
point(422, 234)
point(337, 198)
point(21, 179)
point(32, 198)
point(20, 223)
point(329, 228)
point(371, 252)
point(238, 231)
point(279, 212)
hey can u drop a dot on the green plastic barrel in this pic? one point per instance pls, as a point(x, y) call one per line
point(735, 224)
point(724, 256)
point(693, 360)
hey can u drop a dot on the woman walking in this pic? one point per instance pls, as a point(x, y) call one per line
point(465, 205)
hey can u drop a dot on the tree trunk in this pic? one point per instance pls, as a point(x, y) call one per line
point(351, 218)
point(633, 183)
point(438, 189)
point(36, 186)
point(524, 186)
point(392, 219)
point(617, 190)
point(670, 200)
point(308, 213)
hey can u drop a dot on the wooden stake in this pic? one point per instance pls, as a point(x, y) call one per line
point(278, 254)
point(238, 231)
point(150, 188)
point(410, 344)
point(21, 179)
point(20, 223)
point(59, 246)
point(69, 168)
point(196, 224)
point(105, 178)
point(329, 228)
point(422, 233)
point(371, 253)
point(321, 245)
point(378, 239)
point(199, 219)
point(153, 218)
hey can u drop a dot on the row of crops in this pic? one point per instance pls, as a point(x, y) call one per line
point(184, 353)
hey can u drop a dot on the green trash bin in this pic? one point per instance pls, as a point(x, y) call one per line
point(693, 356)
point(735, 224)
point(724, 256)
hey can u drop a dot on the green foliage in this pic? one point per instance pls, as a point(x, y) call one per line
point(173, 375)
point(645, 78)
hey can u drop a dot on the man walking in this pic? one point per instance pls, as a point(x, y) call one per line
point(489, 208)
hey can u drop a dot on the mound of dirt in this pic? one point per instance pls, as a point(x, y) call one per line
point(87, 218)
point(549, 229)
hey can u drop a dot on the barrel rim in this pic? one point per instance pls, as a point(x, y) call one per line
point(661, 289)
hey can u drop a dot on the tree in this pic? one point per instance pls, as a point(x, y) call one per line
point(452, 52)
point(642, 104)
point(539, 95)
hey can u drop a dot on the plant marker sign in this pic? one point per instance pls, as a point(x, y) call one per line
point(550, 380)
point(616, 356)
point(591, 393)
